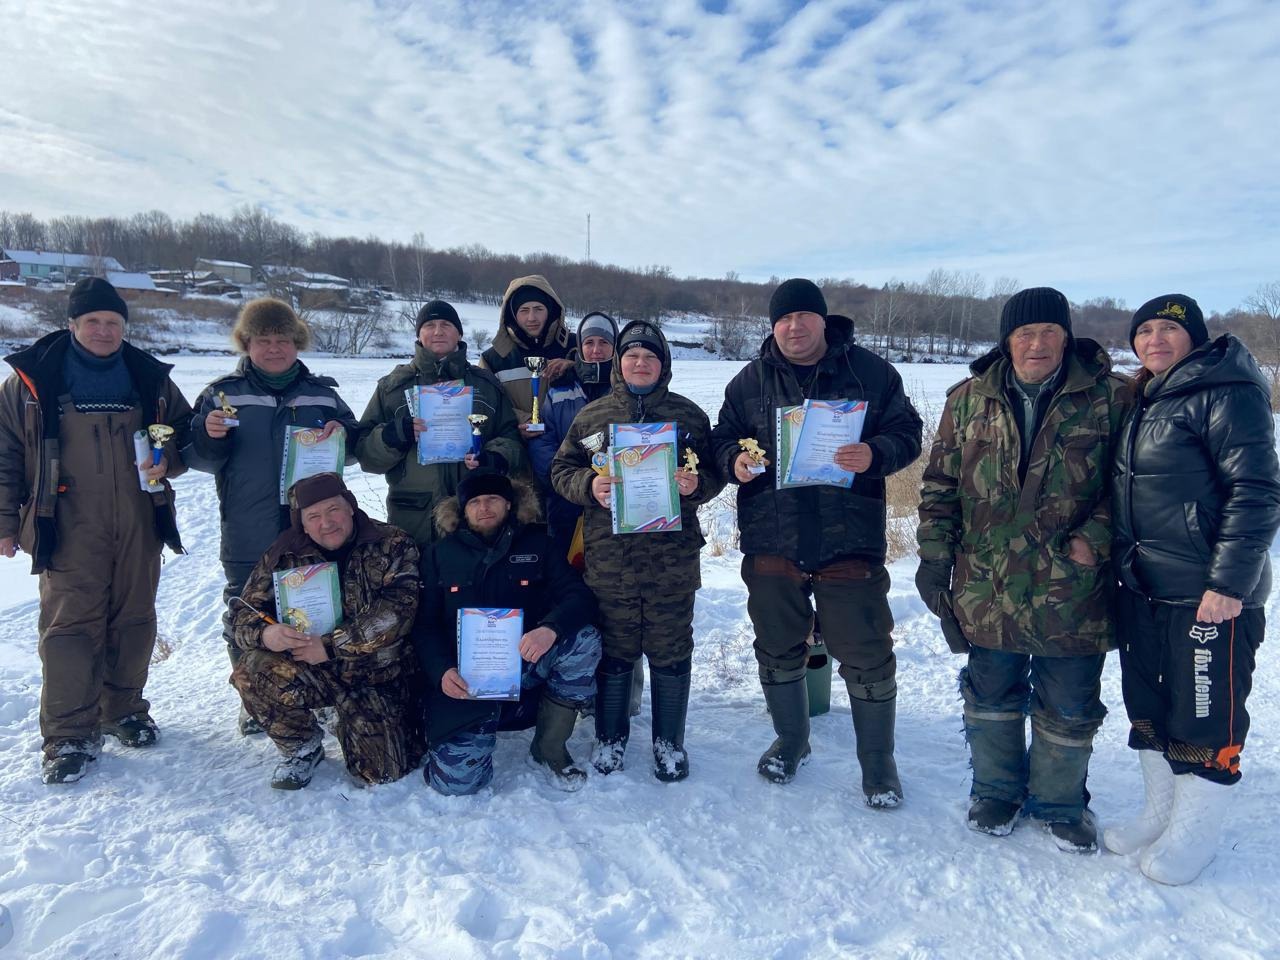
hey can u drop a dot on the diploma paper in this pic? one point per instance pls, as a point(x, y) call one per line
point(445, 408)
point(787, 421)
point(646, 501)
point(313, 591)
point(827, 426)
point(305, 455)
point(142, 454)
point(489, 651)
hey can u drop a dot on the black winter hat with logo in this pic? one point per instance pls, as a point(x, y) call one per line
point(436, 310)
point(1177, 307)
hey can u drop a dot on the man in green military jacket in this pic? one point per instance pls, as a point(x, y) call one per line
point(389, 429)
point(1014, 541)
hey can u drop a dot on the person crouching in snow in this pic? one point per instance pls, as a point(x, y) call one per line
point(493, 553)
point(284, 674)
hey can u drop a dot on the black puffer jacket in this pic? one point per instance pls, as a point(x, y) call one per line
point(1196, 484)
point(813, 526)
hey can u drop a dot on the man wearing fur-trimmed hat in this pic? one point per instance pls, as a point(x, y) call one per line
point(285, 674)
point(238, 431)
point(492, 553)
point(389, 429)
point(92, 519)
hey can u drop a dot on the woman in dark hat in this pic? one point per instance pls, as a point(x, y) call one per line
point(1196, 504)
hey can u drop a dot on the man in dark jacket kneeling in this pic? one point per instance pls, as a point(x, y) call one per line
point(491, 555)
point(286, 672)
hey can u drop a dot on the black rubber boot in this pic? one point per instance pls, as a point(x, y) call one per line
point(637, 689)
point(998, 755)
point(874, 708)
point(789, 708)
point(669, 700)
point(555, 726)
point(613, 714)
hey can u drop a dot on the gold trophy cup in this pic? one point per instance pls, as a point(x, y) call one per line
point(536, 365)
point(159, 434)
point(477, 442)
point(594, 445)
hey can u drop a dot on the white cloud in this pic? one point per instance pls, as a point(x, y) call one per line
point(1109, 149)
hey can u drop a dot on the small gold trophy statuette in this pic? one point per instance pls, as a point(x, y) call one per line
point(228, 411)
point(691, 460)
point(298, 619)
point(753, 450)
point(536, 365)
point(159, 434)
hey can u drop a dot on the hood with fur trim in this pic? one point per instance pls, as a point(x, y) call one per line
point(448, 513)
point(510, 336)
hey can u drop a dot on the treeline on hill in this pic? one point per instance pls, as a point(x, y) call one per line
point(949, 313)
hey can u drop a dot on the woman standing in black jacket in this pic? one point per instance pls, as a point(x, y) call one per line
point(1196, 504)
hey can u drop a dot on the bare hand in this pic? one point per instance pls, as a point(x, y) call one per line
point(8, 546)
point(526, 434)
point(601, 489)
point(452, 685)
point(215, 424)
point(154, 471)
point(686, 483)
point(330, 428)
point(555, 369)
point(536, 642)
point(311, 652)
point(742, 465)
point(854, 457)
point(280, 638)
point(1218, 608)
point(1080, 552)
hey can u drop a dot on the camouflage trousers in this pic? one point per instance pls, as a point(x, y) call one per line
point(659, 625)
point(851, 598)
point(463, 764)
point(281, 694)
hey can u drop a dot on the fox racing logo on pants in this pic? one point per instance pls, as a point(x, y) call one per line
point(1202, 634)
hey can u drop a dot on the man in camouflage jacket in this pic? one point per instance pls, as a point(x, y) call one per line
point(1014, 540)
point(359, 668)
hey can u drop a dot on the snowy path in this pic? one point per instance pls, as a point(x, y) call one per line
point(185, 852)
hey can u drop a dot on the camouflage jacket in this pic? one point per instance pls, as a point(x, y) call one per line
point(642, 563)
point(1014, 588)
point(379, 598)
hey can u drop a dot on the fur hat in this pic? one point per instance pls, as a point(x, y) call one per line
point(311, 490)
point(265, 317)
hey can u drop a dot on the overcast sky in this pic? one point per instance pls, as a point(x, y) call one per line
point(1124, 149)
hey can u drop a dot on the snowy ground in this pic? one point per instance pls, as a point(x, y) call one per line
point(184, 851)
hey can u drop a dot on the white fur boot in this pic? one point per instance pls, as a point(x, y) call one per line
point(1132, 835)
point(1191, 840)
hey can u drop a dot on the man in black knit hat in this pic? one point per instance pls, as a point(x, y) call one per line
point(819, 546)
point(72, 498)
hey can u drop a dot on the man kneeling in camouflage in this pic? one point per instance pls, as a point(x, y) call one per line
point(358, 668)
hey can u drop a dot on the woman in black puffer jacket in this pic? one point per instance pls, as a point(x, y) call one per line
point(1196, 505)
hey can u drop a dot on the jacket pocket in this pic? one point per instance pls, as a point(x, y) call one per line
point(1195, 531)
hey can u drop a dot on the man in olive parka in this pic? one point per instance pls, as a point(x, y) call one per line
point(389, 429)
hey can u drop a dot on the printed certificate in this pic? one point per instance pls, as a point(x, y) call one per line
point(445, 408)
point(786, 427)
point(305, 455)
point(489, 651)
point(646, 501)
point(827, 426)
point(309, 598)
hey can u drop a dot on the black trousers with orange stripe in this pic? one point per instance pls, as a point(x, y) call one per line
point(1185, 683)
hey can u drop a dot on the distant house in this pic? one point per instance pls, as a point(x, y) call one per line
point(136, 282)
point(9, 270)
point(57, 266)
point(228, 270)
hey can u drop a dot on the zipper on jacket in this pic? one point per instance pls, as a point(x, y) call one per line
point(97, 446)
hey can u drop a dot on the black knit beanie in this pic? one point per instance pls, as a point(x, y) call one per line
point(92, 294)
point(436, 310)
point(482, 482)
point(1177, 307)
point(638, 333)
point(1034, 305)
point(531, 294)
point(795, 295)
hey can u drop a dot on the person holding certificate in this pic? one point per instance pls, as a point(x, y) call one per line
point(238, 432)
point(821, 544)
point(288, 670)
point(389, 429)
point(499, 600)
point(645, 582)
point(1015, 534)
